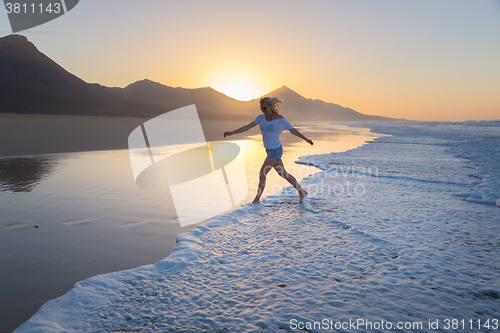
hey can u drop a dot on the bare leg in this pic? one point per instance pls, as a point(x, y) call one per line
point(280, 169)
point(266, 167)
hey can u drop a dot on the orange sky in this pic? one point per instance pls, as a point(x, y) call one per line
point(421, 60)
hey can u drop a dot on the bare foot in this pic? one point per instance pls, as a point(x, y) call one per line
point(302, 194)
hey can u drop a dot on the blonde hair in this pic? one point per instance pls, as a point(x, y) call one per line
point(273, 103)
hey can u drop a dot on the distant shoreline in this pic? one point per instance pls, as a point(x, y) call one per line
point(43, 134)
point(28, 135)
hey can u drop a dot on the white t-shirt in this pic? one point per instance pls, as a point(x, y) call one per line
point(271, 130)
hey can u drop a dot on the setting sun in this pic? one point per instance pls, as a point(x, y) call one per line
point(237, 88)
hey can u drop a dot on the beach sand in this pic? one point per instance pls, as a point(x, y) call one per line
point(92, 217)
point(30, 134)
point(394, 235)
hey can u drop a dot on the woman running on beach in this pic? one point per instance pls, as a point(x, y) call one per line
point(271, 125)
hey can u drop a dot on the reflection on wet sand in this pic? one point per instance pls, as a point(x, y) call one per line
point(23, 174)
point(94, 219)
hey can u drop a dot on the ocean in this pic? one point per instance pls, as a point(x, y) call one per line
point(68, 217)
point(398, 234)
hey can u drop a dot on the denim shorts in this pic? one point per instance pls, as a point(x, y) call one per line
point(275, 153)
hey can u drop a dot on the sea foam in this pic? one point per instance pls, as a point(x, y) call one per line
point(390, 232)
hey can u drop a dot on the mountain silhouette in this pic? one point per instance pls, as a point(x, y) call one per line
point(298, 108)
point(209, 102)
point(31, 82)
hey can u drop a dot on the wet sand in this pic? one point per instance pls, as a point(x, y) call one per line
point(31, 134)
point(69, 216)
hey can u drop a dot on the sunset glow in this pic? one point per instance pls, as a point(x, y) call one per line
point(236, 81)
point(238, 89)
point(418, 60)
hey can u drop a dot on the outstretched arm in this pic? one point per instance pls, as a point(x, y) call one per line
point(297, 133)
point(241, 129)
